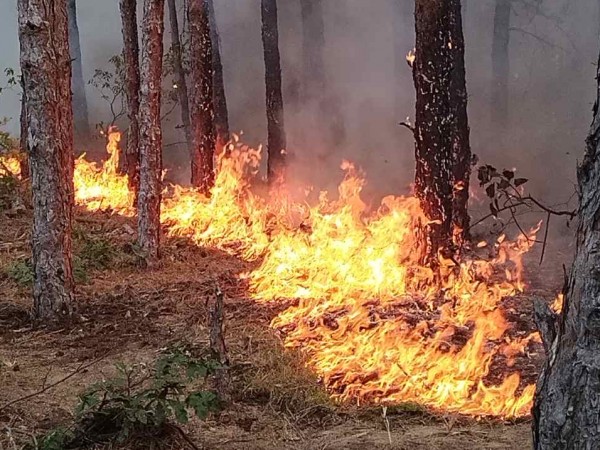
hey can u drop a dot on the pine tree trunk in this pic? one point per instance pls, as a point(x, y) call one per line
point(150, 131)
point(220, 99)
point(500, 64)
point(182, 91)
point(132, 89)
point(441, 130)
point(276, 140)
point(202, 111)
point(80, 109)
point(46, 69)
point(565, 409)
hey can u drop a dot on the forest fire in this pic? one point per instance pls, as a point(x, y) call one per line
point(373, 322)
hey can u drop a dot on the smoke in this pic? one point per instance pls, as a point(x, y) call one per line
point(552, 67)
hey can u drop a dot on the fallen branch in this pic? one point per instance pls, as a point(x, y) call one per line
point(45, 387)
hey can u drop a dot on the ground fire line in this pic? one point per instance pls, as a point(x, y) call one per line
point(376, 326)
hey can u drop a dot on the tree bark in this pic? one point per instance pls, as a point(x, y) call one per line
point(203, 115)
point(443, 155)
point(80, 108)
point(182, 91)
point(150, 131)
point(46, 69)
point(132, 89)
point(220, 99)
point(500, 64)
point(565, 408)
point(276, 140)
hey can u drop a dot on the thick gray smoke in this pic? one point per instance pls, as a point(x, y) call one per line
point(552, 55)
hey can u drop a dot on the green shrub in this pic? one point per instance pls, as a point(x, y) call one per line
point(139, 400)
point(21, 272)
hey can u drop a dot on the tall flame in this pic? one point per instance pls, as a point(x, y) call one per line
point(376, 325)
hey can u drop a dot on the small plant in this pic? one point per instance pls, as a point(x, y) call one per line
point(138, 401)
point(97, 253)
point(21, 272)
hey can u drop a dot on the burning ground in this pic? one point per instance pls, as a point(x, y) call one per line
point(338, 283)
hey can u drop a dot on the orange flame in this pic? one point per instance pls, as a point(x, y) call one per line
point(375, 324)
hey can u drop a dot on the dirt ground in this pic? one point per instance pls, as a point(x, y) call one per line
point(129, 314)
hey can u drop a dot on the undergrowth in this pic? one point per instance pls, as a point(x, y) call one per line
point(91, 253)
point(139, 401)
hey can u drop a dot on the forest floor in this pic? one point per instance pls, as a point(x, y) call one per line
point(129, 315)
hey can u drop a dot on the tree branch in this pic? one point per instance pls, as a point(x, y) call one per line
point(45, 387)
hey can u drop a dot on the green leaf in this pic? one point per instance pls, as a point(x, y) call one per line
point(179, 410)
point(196, 370)
point(520, 181)
point(202, 403)
point(491, 190)
point(141, 416)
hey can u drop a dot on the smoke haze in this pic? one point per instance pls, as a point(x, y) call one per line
point(553, 53)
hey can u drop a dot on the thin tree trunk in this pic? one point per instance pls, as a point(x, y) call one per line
point(276, 140)
point(80, 108)
point(24, 161)
point(220, 99)
point(500, 64)
point(132, 89)
point(441, 130)
point(150, 131)
point(565, 409)
point(182, 91)
point(203, 115)
point(46, 69)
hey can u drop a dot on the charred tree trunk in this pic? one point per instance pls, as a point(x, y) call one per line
point(441, 131)
point(203, 115)
point(150, 131)
point(565, 409)
point(24, 161)
point(132, 89)
point(220, 99)
point(500, 63)
point(80, 109)
point(182, 91)
point(276, 140)
point(46, 68)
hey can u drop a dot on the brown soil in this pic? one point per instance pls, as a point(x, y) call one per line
point(129, 314)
